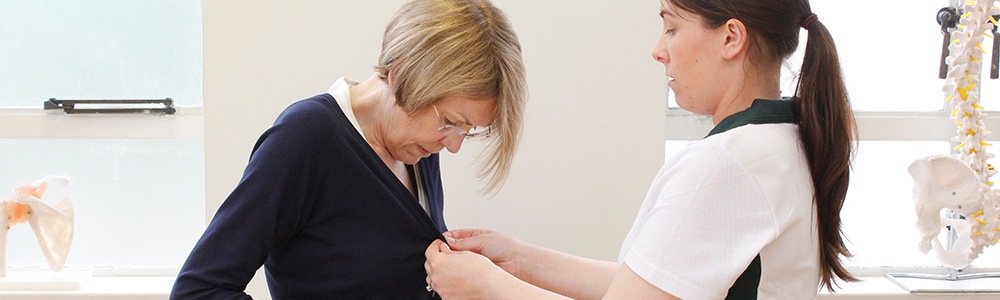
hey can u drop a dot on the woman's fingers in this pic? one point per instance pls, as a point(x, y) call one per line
point(444, 248)
point(431, 254)
point(468, 242)
point(433, 249)
point(465, 233)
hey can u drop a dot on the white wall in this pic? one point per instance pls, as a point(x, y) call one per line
point(594, 130)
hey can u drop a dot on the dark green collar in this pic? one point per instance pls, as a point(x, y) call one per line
point(760, 112)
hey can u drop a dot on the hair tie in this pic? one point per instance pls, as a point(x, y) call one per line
point(812, 18)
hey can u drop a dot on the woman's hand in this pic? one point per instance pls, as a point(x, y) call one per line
point(503, 250)
point(460, 274)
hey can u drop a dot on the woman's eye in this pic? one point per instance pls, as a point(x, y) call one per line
point(449, 122)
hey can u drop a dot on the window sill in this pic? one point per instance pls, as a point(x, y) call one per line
point(880, 288)
point(105, 288)
point(187, 123)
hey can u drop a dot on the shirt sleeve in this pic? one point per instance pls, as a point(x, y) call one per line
point(708, 222)
point(266, 209)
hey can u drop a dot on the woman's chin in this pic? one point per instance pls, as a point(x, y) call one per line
point(410, 160)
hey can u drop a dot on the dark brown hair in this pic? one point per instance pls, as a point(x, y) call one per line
point(823, 110)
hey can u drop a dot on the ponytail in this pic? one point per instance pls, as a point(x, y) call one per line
point(827, 129)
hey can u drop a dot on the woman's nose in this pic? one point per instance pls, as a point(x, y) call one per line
point(660, 52)
point(453, 142)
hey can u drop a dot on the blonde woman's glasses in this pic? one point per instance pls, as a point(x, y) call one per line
point(448, 127)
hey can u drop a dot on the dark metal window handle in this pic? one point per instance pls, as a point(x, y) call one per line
point(113, 106)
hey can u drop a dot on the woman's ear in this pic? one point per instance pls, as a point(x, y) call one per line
point(736, 38)
point(391, 77)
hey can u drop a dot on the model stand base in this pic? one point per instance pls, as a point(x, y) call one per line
point(954, 282)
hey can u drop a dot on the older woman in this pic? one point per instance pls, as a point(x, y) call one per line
point(343, 194)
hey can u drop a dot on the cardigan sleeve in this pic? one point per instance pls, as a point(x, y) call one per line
point(268, 207)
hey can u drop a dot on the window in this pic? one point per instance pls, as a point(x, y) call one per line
point(137, 181)
point(891, 67)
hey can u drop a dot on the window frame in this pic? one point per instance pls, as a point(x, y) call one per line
point(164, 55)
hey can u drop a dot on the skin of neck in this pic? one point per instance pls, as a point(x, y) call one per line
point(744, 84)
point(373, 104)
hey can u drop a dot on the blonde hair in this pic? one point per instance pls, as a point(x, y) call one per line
point(440, 48)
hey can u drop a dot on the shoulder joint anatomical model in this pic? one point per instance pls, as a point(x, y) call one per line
point(53, 225)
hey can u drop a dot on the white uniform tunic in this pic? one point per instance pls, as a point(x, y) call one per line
point(741, 195)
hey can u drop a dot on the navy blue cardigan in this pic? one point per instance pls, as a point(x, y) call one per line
point(323, 214)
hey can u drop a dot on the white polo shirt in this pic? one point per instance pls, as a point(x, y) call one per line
point(721, 202)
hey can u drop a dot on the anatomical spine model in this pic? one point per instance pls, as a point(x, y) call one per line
point(961, 183)
point(53, 225)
